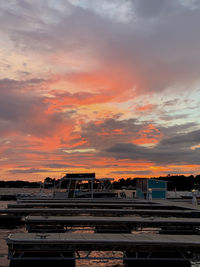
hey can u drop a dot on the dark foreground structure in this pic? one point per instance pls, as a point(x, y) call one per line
point(156, 233)
point(59, 247)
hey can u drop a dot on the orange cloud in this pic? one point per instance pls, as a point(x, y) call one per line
point(77, 99)
point(148, 135)
point(104, 132)
point(145, 108)
point(79, 143)
point(87, 88)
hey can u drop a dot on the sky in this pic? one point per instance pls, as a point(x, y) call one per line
point(104, 86)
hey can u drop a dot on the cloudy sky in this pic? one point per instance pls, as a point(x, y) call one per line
point(108, 86)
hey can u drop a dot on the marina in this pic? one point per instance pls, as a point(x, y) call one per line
point(64, 229)
point(100, 133)
point(135, 248)
point(22, 243)
point(137, 232)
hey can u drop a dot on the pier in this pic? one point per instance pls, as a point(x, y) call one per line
point(105, 205)
point(102, 212)
point(85, 200)
point(118, 226)
point(111, 224)
point(22, 246)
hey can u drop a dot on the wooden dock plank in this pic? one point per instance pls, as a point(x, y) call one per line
point(95, 220)
point(90, 204)
point(77, 200)
point(140, 239)
point(101, 212)
point(30, 246)
point(178, 203)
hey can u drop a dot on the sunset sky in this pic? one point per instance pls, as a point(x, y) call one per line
point(104, 86)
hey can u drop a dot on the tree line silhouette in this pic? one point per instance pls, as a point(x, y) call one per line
point(174, 182)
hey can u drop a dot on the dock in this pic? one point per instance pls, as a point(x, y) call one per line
point(117, 225)
point(111, 224)
point(22, 246)
point(101, 212)
point(105, 205)
point(135, 221)
point(85, 200)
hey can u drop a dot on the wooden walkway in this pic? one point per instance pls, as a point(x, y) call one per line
point(96, 205)
point(107, 215)
point(52, 224)
point(102, 212)
point(20, 244)
point(178, 203)
point(78, 200)
point(93, 221)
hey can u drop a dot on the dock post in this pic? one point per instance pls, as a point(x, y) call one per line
point(150, 194)
point(194, 197)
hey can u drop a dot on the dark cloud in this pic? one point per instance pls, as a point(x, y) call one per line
point(26, 73)
point(174, 150)
point(115, 130)
point(115, 138)
point(184, 140)
point(153, 8)
point(32, 170)
point(170, 102)
point(110, 131)
point(10, 85)
point(132, 172)
point(153, 54)
point(15, 104)
point(173, 117)
point(172, 131)
point(23, 110)
point(57, 165)
point(155, 49)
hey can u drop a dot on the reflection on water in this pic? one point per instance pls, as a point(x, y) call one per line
point(102, 263)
